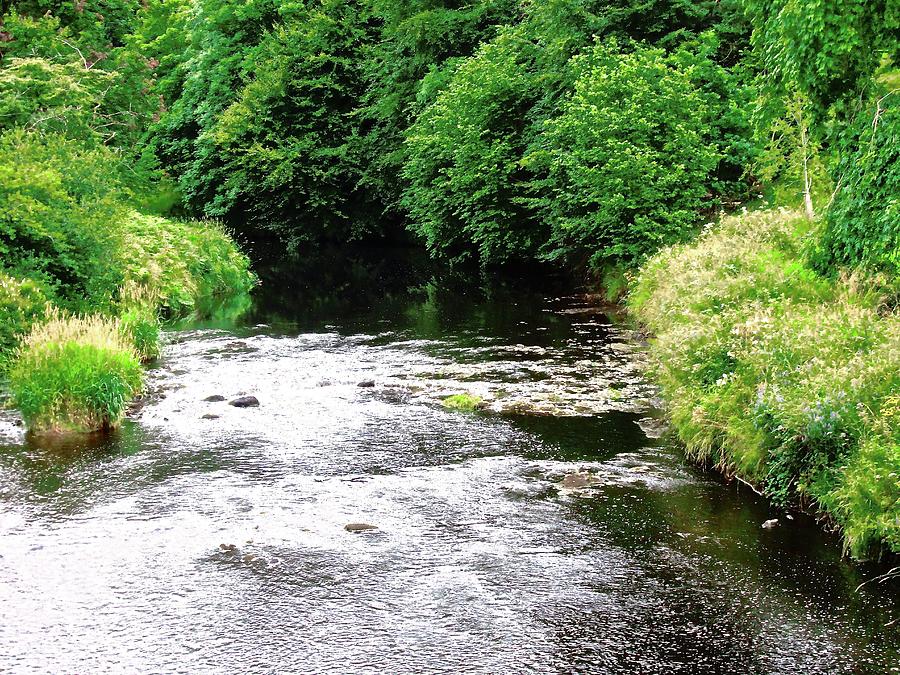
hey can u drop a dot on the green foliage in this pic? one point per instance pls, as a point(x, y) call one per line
point(417, 44)
point(75, 374)
point(868, 498)
point(863, 223)
point(777, 374)
point(139, 319)
point(65, 220)
point(57, 200)
point(73, 76)
point(219, 42)
point(188, 267)
point(827, 49)
point(489, 169)
point(627, 158)
point(466, 184)
point(311, 119)
point(93, 24)
point(22, 302)
point(283, 143)
point(462, 402)
point(59, 98)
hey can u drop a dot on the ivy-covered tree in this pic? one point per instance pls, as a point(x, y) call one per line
point(862, 225)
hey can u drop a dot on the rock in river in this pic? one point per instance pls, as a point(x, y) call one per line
point(366, 383)
point(215, 398)
point(770, 524)
point(245, 402)
point(359, 527)
point(579, 481)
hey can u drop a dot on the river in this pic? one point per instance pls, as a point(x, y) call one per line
point(555, 531)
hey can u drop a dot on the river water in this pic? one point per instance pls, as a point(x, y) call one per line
point(555, 531)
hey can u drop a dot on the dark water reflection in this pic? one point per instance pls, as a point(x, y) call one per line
point(489, 557)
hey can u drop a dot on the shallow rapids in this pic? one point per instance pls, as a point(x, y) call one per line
point(554, 531)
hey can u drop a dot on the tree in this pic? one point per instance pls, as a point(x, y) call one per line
point(628, 159)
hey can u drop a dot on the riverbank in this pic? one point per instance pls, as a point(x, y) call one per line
point(86, 278)
point(779, 376)
point(78, 369)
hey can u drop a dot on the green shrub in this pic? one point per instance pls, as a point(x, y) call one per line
point(22, 303)
point(59, 205)
point(628, 157)
point(75, 374)
point(467, 186)
point(62, 98)
point(284, 143)
point(779, 375)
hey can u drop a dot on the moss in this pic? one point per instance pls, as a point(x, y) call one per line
point(777, 374)
point(464, 402)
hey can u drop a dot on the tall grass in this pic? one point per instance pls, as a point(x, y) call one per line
point(139, 319)
point(778, 375)
point(189, 266)
point(75, 374)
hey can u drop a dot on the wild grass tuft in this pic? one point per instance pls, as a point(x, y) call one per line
point(779, 375)
point(75, 374)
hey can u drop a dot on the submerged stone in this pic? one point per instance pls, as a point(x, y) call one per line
point(366, 383)
point(359, 527)
point(577, 481)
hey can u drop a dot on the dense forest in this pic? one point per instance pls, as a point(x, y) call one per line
point(139, 139)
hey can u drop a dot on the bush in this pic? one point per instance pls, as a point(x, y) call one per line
point(466, 183)
point(22, 302)
point(59, 205)
point(75, 374)
point(65, 220)
point(777, 374)
point(628, 158)
point(284, 142)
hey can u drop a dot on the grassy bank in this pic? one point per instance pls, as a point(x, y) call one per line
point(76, 368)
point(85, 279)
point(778, 375)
